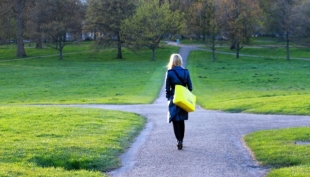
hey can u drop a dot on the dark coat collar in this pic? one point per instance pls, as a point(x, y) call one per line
point(177, 67)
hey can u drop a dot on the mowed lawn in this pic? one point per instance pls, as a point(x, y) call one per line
point(262, 84)
point(58, 141)
point(286, 150)
point(63, 141)
point(251, 84)
point(84, 76)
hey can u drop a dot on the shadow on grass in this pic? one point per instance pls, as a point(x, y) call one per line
point(74, 158)
point(235, 110)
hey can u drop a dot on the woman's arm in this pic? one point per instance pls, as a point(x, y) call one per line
point(167, 87)
point(189, 82)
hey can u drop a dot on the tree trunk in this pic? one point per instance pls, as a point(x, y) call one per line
point(238, 49)
point(213, 54)
point(153, 54)
point(20, 4)
point(39, 38)
point(213, 49)
point(60, 45)
point(60, 54)
point(287, 47)
point(95, 34)
point(233, 45)
point(204, 37)
point(119, 48)
point(119, 52)
point(39, 43)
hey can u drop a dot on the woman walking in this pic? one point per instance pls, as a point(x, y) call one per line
point(177, 75)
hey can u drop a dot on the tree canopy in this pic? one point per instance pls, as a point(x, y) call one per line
point(144, 23)
point(151, 22)
point(104, 18)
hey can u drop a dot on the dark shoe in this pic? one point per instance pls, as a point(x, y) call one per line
point(180, 145)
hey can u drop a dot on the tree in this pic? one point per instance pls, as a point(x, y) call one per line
point(203, 19)
point(17, 7)
point(37, 16)
point(63, 22)
point(240, 18)
point(197, 19)
point(7, 22)
point(20, 5)
point(105, 17)
point(150, 23)
point(212, 25)
point(301, 23)
point(181, 5)
point(280, 19)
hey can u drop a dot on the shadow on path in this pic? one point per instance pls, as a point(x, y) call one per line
point(213, 144)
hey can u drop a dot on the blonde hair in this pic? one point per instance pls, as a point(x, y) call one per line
point(175, 60)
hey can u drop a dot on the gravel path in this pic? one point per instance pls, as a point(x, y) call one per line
point(213, 144)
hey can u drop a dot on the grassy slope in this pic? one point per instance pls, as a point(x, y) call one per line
point(76, 139)
point(88, 77)
point(251, 84)
point(278, 149)
point(262, 85)
point(53, 141)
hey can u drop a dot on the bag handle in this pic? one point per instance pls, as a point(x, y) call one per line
point(176, 73)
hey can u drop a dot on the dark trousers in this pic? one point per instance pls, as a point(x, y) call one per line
point(179, 129)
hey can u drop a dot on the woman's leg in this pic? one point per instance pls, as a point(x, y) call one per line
point(182, 129)
point(177, 130)
point(177, 127)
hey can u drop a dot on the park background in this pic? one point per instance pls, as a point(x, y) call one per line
point(253, 58)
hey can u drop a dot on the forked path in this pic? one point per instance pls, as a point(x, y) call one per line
point(213, 145)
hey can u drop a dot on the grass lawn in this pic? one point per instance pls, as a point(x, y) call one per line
point(258, 42)
point(256, 85)
point(9, 51)
point(84, 77)
point(82, 142)
point(278, 149)
point(56, 141)
point(266, 52)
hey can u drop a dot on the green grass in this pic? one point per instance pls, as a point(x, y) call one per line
point(9, 51)
point(294, 171)
point(250, 84)
point(55, 141)
point(277, 149)
point(269, 52)
point(218, 43)
point(26, 170)
point(261, 47)
point(86, 77)
point(266, 42)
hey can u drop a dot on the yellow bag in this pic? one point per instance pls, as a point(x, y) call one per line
point(184, 98)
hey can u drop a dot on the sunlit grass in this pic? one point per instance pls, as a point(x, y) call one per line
point(63, 141)
point(89, 77)
point(266, 52)
point(278, 149)
point(251, 84)
point(9, 51)
point(28, 169)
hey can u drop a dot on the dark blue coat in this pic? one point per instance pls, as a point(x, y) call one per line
point(176, 113)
